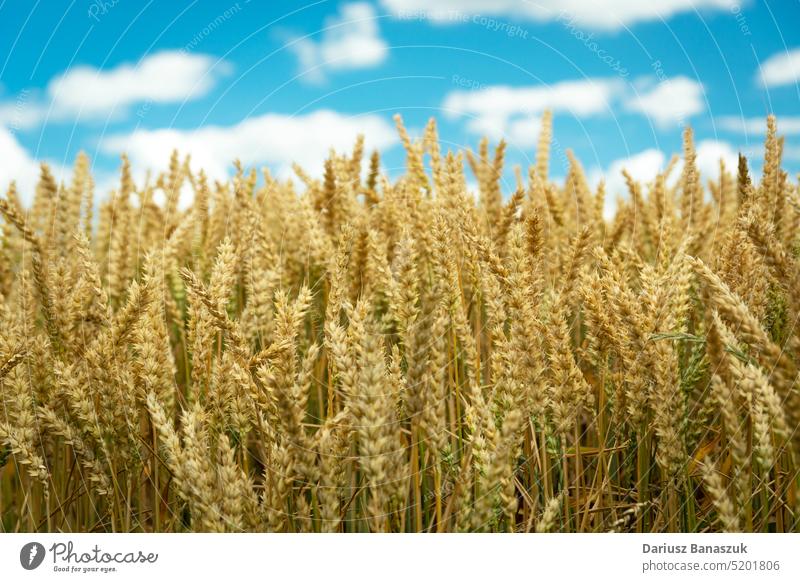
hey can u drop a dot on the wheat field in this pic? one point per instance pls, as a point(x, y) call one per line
point(354, 354)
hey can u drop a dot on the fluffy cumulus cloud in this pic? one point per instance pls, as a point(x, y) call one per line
point(22, 113)
point(644, 166)
point(787, 124)
point(608, 15)
point(274, 140)
point(709, 154)
point(670, 101)
point(791, 153)
point(512, 112)
point(17, 165)
point(349, 40)
point(781, 69)
point(165, 77)
point(85, 93)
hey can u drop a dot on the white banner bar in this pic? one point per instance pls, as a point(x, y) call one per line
point(375, 557)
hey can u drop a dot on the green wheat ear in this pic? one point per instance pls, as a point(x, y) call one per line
point(777, 316)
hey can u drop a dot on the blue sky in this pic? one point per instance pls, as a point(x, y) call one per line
point(272, 82)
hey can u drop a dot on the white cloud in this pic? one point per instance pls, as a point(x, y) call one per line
point(272, 139)
point(524, 131)
point(644, 166)
point(609, 14)
point(710, 152)
point(512, 112)
point(22, 113)
point(791, 153)
point(85, 92)
point(787, 125)
point(670, 101)
point(165, 77)
point(781, 69)
point(350, 40)
point(17, 165)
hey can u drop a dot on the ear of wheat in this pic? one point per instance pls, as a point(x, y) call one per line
point(348, 354)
